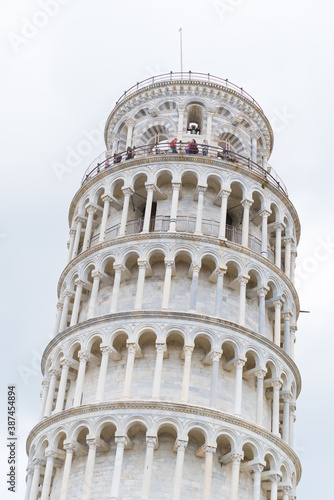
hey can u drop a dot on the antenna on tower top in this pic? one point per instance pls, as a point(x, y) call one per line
point(180, 31)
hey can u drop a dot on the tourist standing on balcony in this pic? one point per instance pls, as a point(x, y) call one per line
point(193, 149)
point(205, 148)
point(173, 146)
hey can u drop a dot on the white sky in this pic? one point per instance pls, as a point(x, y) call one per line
point(64, 80)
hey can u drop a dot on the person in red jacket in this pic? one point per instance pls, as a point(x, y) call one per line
point(173, 146)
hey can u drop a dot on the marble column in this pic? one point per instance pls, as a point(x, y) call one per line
point(219, 291)
point(142, 265)
point(199, 216)
point(83, 358)
point(180, 124)
point(44, 395)
point(150, 444)
point(106, 207)
point(160, 347)
point(243, 280)
point(257, 471)
point(239, 365)
point(30, 475)
point(65, 366)
point(260, 374)
point(70, 447)
point(261, 293)
point(63, 322)
point(38, 464)
point(60, 306)
point(277, 327)
point(148, 207)
point(286, 344)
point(215, 356)
point(287, 265)
point(235, 473)
point(209, 452)
point(274, 478)
point(118, 268)
point(130, 125)
point(194, 286)
point(97, 277)
point(116, 480)
point(89, 226)
point(79, 219)
point(209, 115)
point(50, 458)
point(127, 193)
point(292, 423)
point(167, 284)
point(93, 443)
point(132, 348)
point(173, 211)
point(246, 204)
point(293, 264)
point(106, 351)
point(278, 247)
point(51, 392)
point(286, 416)
point(188, 350)
point(71, 245)
point(223, 212)
point(77, 301)
point(264, 237)
point(276, 384)
point(181, 447)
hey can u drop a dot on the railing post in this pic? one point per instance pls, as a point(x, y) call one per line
point(189, 75)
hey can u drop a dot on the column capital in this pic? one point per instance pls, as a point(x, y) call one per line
point(286, 396)
point(142, 263)
point(45, 383)
point(225, 192)
point(278, 226)
point(262, 292)
point(127, 191)
point(275, 478)
point(130, 122)
point(287, 489)
point(236, 457)
point(243, 280)
point(278, 303)
point(276, 384)
point(288, 240)
point(188, 350)
point(195, 268)
point(97, 274)
point(201, 189)
point(151, 441)
point(80, 282)
point(73, 232)
point(287, 315)
point(239, 362)
point(257, 468)
point(68, 294)
point(106, 197)
point(59, 306)
point(30, 470)
point(80, 218)
point(93, 441)
point(83, 355)
point(216, 355)
point(66, 362)
point(120, 441)
point(49, 453)
point(261, 373)
point(91, 209)
point(70, 446)
point(246, 203)
point(169, 263)
point(38, 462)
point(105, 349)
point(209, 449)
point(54, 372)
point(149, 186)
point(181, 444)
point(221, 271)
point(132, 347)
point(176, 186)
point(265, 213)
point(118, 267)
point(160, 347)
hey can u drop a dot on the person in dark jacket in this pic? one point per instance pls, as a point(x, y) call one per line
point(193, 149)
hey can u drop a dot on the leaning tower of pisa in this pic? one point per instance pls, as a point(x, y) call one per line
point(171, 373)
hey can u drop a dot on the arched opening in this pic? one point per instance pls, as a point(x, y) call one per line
point(195, 119)
point(172, 369)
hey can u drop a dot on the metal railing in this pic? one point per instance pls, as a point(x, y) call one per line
point(189, 76)
point(104, 162)
point(185, 224)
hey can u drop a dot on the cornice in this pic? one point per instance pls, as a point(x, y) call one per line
point(176, 316)
point(203, 160)
point(168, 407)
point(183, 236)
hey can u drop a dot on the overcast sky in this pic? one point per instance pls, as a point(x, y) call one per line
point(62, 72)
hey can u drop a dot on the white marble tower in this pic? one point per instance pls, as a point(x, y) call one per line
point(171, 373)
